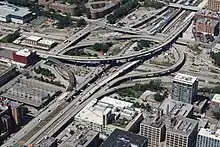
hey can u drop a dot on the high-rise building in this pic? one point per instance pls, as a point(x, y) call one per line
point(214, 5)
point(181, 132)
point(153, 128)
point(16, 111)
point(184, 88)
point(8, 124)
point(208, 138)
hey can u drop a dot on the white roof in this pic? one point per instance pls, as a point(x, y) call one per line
point(93, 112)
point(24, 52)
point(185, 78)
point(216, 98)
point(207, 133)
point(34, 38)
point(115, 102)
point(46, 41)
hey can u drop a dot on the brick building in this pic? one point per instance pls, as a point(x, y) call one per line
point(58, 6)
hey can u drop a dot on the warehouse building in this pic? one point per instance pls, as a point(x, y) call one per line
point(14, 14)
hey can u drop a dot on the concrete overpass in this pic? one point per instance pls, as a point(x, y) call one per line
point(72, 78)
point(168, 41)
point(191, 8)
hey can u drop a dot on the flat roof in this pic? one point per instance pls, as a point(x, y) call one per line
point(216, 98)
point(176, 107)
point(8, 9)
point(121, 138)
point(94, 111)
point(154, 120)
point(23, 52)
point(34, 38)
point(183, 78)
point(208, 133)
point(46, 41)
point(183, 125)
point(80, 139)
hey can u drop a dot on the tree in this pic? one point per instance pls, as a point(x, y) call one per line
point(111, 19)
point(81, 23)
point(158, 97)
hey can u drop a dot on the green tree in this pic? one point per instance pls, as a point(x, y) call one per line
point(158, 97)
point(111, 19)
point(81, 23)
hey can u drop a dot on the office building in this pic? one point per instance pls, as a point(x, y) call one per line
point(206, 25)
point(38, 42)
point(99, 9)
point(153, 128)
point(16, 111)
point(181, 132)
point(214, 5)
point(9, 126)
point(184, 88)
point(58, 6)
point(14, 14)
point(216, 100)
point(208, 137)
point(107, 114)
point(47, 142)
point(120, 138)
point(6, 73)
point(86, 138)
point(24, 57)
point(174, 107)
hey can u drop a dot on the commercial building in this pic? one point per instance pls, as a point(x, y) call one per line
point(208, 137)
point(101, 8)
point(58, 6)
point(216, 100)
point(157, 126)
point(24, 57)
point(107, 114)
point(85, 138)
point(153, 128)
point(206, 23)
point(184, 88)
point(176, 108)
point(182, 132)
point(38, 42)
point(214, 5)
point(14, 109)
point(14, 14)
point(120, 138)
point(47, 142)
point(6, 73)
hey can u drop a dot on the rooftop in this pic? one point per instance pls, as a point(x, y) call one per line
point(95, 110)
point(183, 78)
point(47, 141)
point(33, 38)
point(154, 119)
point(176, 107)
point(182, 125)
point(216, 98)
point(210, 134)
point(81, 139)
point(46, 42)
point(120, 138)
point(24, 52)
point(7, 9)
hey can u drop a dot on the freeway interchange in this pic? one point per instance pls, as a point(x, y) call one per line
point(62, 112)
